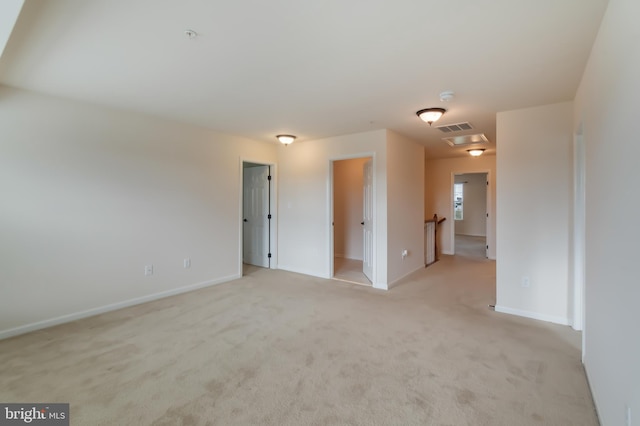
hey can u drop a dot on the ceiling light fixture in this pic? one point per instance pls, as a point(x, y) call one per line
point(476, 152)
point(429, 115)
point(190, 34)
point(286, 139)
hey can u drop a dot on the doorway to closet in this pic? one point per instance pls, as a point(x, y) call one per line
point(353, 220)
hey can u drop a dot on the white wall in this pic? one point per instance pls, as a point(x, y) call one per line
point(439, 176)
point(534, 205)
point(305, 201)
point(347, 207)
point(90, 195)
point(474, 217)
point(607, 106)
point(405, 203)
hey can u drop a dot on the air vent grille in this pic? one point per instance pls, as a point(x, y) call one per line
point(466, 139)
point(457, 127)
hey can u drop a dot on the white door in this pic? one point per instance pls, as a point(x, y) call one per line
point(486, 225)
point(255, 206)
point(367, 213)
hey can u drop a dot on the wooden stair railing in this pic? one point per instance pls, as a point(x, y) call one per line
point(431, 239)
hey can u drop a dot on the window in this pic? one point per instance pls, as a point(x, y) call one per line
point(458, 197)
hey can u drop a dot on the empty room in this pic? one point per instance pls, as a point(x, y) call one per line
point(343, 213)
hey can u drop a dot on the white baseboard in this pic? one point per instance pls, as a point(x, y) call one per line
point(380, 286)
point(302, 271)
point(534, 315)
point(5, 334)
point(397, 281)
point(344, 256)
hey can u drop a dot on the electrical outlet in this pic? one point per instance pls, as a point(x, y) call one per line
point(148, 270)
point(526, 282)
point(187, 263)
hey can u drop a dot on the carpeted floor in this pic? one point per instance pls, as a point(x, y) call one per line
point(470, 246)
point(277, 348)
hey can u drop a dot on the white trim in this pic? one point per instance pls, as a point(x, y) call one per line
point(302, 271)
point(380, 286)
point(534, 315)
point(579, 231)
point(4, 334)
point(397, 280)
point(330, 231)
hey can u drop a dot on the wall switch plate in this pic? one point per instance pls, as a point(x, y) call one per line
point(148, 270)
point(526, 282)
point(405, 253)
point(187, 263)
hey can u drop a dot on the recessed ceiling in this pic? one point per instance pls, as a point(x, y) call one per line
point(314, 69)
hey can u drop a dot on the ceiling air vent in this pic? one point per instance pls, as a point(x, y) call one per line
point(454, 127)
point(466, 139)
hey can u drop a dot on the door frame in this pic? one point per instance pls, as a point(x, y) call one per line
point(273, 234)
point(490, 213)
point(330, 185)
point(579, 234)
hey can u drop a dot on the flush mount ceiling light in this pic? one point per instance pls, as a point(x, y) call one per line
point(190, 34)
point(429, 115)
point(475, 152)
point(286, 139)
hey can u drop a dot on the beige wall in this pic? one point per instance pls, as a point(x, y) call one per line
point(534, 206)
point(606, 113)
point(304, 205)
point(305, 199)
point(439, 176)
point(91, 195)
point(405, 182)
point(347, 207)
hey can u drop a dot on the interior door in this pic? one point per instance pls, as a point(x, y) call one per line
point(486, 225)
point(367, 213)
point(255, 206)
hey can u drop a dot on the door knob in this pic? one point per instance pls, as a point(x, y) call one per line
point(361, 223)
point(245, 220)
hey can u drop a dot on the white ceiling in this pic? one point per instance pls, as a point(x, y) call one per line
point(313, 69)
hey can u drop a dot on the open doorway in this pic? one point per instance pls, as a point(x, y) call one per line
point(470, 215)
point(352, 220)
point(257, 224)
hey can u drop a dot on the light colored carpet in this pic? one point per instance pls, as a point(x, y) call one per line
point(277, 348)
point(470, 246)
